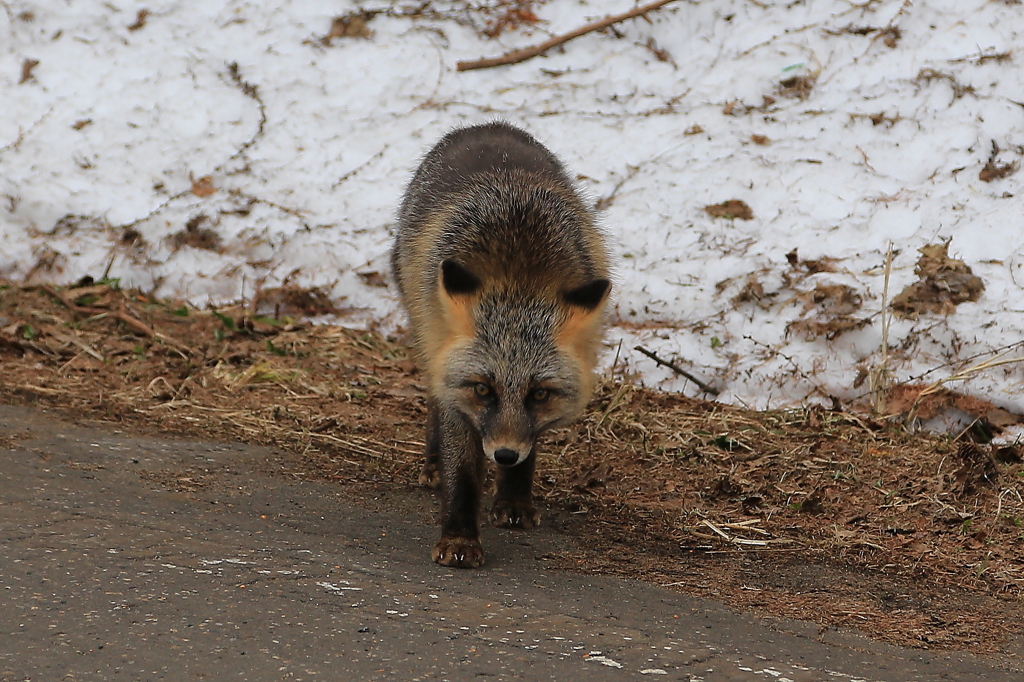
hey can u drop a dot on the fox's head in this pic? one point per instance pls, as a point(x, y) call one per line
point(515, 363)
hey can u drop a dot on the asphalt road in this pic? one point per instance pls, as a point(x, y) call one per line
point(107, 573)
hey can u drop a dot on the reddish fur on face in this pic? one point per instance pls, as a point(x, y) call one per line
point(454, 327)
point(578, 338)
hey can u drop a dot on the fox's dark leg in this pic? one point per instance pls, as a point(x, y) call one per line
point(513, 504)
point(430, 476)
point(461, 460)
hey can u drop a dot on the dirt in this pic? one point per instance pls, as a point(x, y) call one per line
point(943, 284)
point(731, 209)
point(829, 516)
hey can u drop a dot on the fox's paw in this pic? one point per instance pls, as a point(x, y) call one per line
point(514, 514)
point(430, 475)
point(459, 553)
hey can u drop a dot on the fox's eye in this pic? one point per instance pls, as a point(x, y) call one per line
point(482, 390)
point(540, 395)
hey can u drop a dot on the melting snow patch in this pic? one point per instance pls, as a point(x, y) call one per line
point(721, 290)
point(1011, 436)
point(653, 671)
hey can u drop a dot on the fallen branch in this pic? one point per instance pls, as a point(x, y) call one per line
point(527, 53)
point(736, 540)
point(123, 315)
point(679, 370)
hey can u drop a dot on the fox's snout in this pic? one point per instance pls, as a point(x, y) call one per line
point(506, 456)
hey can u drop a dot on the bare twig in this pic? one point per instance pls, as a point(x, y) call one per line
point(632, 171)
point(678, 370)
point(360, 167)
point(918, 377)
point(961, 375)
point(735, 540)
point(517, 56)
point(252, 92)
point(969, 372)
point(880, 377)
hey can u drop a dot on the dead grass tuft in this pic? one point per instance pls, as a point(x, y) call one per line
point(992, 170)
point(928, 76)
point(752, 292)
point(197, 236)
point(354, 25)
point(796, 87)
point(508, 15)
point(293, 301)
point(831, 307)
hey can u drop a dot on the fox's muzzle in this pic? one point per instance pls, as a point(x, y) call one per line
point(507, 457)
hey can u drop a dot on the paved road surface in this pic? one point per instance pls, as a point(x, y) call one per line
point(106, 574)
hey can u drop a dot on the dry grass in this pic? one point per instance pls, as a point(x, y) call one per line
point(923, 535)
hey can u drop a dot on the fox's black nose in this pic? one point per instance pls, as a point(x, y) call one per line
point(506, 457)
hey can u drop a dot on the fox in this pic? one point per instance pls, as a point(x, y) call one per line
point(505, 276)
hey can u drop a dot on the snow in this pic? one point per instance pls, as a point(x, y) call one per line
point(308, 146)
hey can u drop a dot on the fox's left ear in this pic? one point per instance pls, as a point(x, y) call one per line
point(588, 296)
point(577, 334)
point(457, 279)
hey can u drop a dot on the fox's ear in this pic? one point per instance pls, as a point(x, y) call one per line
point(588, 296)
point(456, 290)
point(578, 334)
point(457, 280)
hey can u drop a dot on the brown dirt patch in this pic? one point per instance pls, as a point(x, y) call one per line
point(821, 515)
point(993, 170)
point(731, 209)
point(944, 284)
point(197, 236)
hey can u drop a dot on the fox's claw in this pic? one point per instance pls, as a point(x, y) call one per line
point(430, 475)
point(514, 514)
point(459, 553)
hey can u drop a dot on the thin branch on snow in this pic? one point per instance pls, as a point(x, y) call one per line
point(678, 370)
point(517, 56)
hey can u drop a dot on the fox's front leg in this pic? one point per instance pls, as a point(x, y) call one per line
point(461, 463)
point(513, 503)
point(430, 475)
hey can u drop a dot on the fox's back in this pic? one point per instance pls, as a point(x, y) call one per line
point(494, 199)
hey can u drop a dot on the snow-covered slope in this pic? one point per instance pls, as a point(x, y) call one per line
point(205, 149)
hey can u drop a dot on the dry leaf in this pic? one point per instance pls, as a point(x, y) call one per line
point(26, 70)
point(203, 187)
point(945, 283)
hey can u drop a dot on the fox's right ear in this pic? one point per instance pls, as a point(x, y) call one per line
point(589, 295)
point(457, 280)
point(456, 290)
